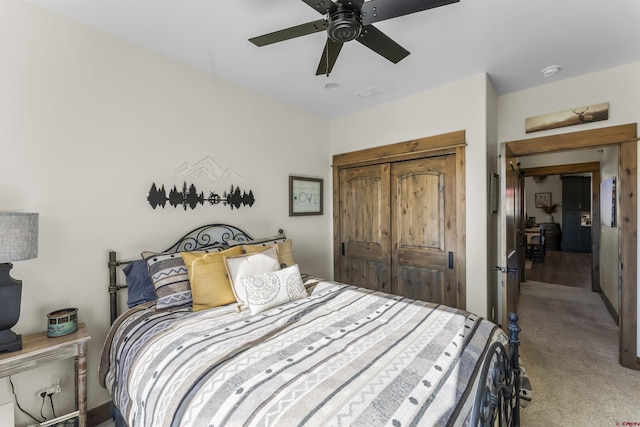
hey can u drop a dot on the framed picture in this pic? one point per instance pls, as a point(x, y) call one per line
point(305, 196)
point(543, 199)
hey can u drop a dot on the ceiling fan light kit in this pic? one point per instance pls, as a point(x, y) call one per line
point(347, 20)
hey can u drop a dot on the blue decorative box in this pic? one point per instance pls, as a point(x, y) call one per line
point(62, 322)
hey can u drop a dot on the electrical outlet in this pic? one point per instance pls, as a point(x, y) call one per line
point(50, 390)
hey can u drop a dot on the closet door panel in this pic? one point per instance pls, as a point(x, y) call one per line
point(364, 227)
point(366, 273)
point(424, 229)
point(420, 210)
point(423, 283)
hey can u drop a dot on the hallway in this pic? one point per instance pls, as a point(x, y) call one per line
point(562, 268)
point(569, 348)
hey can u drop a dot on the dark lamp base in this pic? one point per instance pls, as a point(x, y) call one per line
point(10, 341)
point(10, 295)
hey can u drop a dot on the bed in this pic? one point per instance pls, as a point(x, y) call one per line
point(328, 354)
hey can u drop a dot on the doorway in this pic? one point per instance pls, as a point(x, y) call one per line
point(556, 240)
point(625, 137)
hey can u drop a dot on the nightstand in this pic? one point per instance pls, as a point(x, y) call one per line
point(38, 349)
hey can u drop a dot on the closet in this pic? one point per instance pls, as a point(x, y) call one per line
point(399, 223)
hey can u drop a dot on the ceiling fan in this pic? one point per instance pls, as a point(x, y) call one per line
point(347, 20)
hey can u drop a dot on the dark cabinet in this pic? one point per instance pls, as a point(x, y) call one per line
point(576, 193)
point(576, 201)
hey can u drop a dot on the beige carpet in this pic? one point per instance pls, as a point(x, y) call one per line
point(569, 347)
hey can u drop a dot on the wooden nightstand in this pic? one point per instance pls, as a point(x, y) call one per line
point(38, 349)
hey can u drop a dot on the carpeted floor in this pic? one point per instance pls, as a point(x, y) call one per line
point(570, 352)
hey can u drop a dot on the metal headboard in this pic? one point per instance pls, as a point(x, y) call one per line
point(497, 400)
point(196, 239)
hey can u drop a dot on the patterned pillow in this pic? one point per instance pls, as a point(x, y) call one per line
point(268, 290)
point(170, 278)
point(248, 265)
point(210, 285)
point(285, 251)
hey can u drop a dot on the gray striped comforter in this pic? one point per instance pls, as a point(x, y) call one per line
point(344, 356)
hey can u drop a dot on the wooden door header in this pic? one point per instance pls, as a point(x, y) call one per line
point(408, 150)
point(593, 138)
point(562, 169)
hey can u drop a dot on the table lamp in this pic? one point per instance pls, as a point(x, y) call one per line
point(18, 241)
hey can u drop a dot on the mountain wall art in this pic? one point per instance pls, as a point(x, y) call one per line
point(205, 182)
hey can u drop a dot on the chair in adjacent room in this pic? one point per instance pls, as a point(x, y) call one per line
point(535, 248)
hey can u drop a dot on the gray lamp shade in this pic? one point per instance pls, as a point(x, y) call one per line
point(18, 236)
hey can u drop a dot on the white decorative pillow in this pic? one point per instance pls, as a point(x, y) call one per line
point(285, 251)
point(248, 265)
point(268, 290)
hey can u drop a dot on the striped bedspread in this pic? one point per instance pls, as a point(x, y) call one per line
point(344, 356)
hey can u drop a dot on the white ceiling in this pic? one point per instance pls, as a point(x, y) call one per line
point(510, 40)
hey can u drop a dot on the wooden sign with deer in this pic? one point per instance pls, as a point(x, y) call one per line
point(570, 117)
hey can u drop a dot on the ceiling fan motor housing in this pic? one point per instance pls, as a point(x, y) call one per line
point(344, 25)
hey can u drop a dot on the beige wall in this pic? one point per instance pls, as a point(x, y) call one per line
point(87, 123)
point(552, 184)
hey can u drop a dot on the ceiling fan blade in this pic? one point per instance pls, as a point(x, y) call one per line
point(352, 4)
point(380, 10)
point(322, 6)
point(290, 33)
point(380, 43)
point(329, 56)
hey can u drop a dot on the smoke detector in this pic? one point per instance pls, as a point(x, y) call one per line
point(550, 70)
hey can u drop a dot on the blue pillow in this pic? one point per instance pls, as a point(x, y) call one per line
point(139, 286)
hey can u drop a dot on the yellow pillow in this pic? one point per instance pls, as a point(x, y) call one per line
point(210, 285)
point(285, 251)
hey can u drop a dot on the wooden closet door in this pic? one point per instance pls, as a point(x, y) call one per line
point(364, 227)
point(423, 210)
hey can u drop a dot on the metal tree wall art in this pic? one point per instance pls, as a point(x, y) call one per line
point(204, 174)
